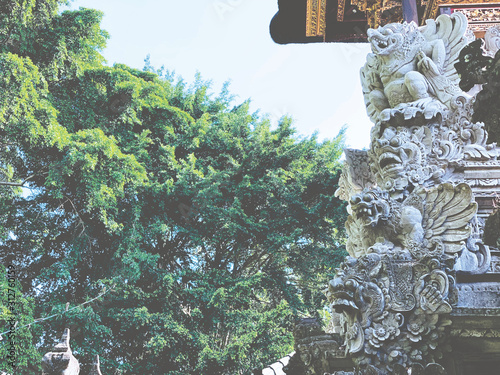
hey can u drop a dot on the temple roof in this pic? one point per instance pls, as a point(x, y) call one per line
point(313, 21)
point(295, 22)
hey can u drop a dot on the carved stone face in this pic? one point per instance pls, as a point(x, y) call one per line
point(385, 39)
point(394, 151)
point(400, 157)
point(393, 38)
point(342, 289)
point(345, 291)
point(342, 294)
point(371, 206)
point(353, 294)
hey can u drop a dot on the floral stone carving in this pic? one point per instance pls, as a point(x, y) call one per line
point(410, 223)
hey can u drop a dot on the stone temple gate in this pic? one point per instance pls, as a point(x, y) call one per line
point(419, 292)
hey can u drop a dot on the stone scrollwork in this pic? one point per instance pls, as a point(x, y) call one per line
point(491, 41)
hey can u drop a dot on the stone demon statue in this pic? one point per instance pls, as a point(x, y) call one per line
point(428, 223)
point(411, 70)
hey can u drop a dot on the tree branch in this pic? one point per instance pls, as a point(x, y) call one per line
point(19, 184)
point(7, 183)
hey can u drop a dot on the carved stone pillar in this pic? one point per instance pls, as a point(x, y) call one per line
point(60, 361)
point(410, 223)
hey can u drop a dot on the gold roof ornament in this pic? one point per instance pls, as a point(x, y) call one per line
point(312, 21)
point(316, 18)
point(377, 12)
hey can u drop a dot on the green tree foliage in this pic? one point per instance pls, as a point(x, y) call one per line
point(61, 45)
point(210, 230)
point(16, 346)
point(474, 68)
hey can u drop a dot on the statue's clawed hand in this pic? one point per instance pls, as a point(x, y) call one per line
point(431, 297)
point(432, 301)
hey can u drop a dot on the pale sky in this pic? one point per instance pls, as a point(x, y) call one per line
point(316, 84)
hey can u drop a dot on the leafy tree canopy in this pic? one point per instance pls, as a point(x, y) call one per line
point(475, 68)
point(210, 230)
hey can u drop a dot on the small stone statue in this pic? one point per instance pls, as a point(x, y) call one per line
point(411, 70)
point(61, 360)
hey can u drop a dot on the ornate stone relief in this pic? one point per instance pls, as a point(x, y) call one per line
point(479, 311)
point(495, 266)
point(411, 70)
point(478, 333)
point(412, 220)
point(422, 118)
point(481, 15)
point(395, 297)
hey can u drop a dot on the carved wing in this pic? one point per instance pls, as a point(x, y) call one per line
point(371, 84)
point(450, 30)
point(447, 214)
point(356, 174)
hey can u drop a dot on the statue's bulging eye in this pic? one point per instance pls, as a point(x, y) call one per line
point(350, 284)
point(395, 142)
